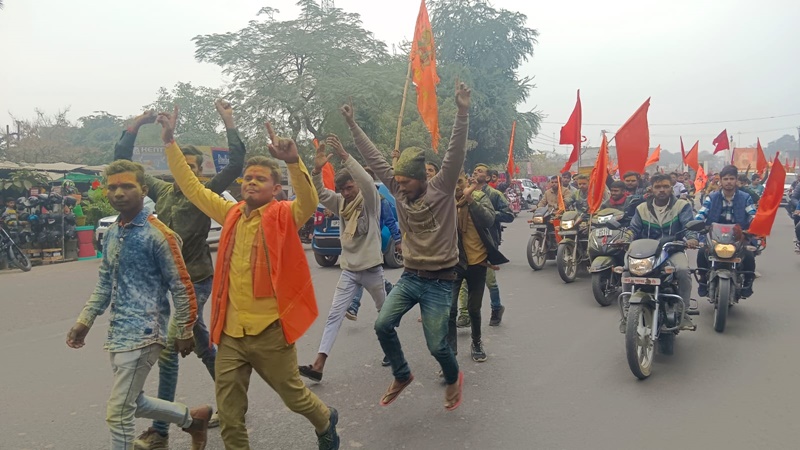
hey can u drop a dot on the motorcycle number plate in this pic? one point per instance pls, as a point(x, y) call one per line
point(334, 223)
point(639, 280)
point(600, 232)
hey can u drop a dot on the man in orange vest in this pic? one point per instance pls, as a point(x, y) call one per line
point(262, 298)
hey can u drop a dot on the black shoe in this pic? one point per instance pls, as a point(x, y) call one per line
point(330, 440)
point(478, 355)
point(702, 290)
point(747, 290)
point(385, 362)
point(497, 316)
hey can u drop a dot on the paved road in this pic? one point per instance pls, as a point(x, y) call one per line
point(556, 377)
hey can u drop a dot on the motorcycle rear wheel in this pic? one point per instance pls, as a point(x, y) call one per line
point(537, 252)
point(18, 258)
point(724, 292)
point(603, 292)
point(639, 346)
point(567, 265)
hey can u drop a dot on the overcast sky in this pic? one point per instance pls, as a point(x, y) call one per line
point(699, 61)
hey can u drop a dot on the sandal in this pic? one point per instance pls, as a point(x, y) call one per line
point(449, 404)
point(310, 373)
point(392, 394)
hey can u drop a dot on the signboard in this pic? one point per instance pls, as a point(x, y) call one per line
point(155, 161)
point(745, 157)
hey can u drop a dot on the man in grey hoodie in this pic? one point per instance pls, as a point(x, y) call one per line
point(426, 210)
point(358, 204)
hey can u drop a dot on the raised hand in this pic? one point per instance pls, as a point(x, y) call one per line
point(168, 123)
point(337, 147)
point(463, 98)
point(348, 113)
point(225, 112)
point(145, 118)
point(472, 184)
point(282, 148)
point(321, 158)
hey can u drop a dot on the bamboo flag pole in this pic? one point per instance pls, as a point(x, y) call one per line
point(402, 109)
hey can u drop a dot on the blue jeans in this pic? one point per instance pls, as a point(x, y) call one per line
point(168, 359)
point(356, 304)
point(434, 298)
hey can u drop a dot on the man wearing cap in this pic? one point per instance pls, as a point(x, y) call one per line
point(426, 210)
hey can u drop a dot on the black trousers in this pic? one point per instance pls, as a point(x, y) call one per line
point(476, 284)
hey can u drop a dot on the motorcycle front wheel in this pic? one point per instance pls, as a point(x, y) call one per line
point(603, 289)
point(566, 263)
point(18, 258)
point(639, 345)
point(724, 293)
point(537, 252)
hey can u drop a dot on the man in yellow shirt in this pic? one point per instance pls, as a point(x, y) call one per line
point(263, 298)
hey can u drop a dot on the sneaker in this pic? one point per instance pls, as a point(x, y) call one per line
point(213, 422)
point(497, 316)
point(747, 290)
point(330, 440)
point(351, 314)
point(385, 362)
point(151, 440)
point(462, 321)
point(198, 430)
point(478, 355)
point(702, 290)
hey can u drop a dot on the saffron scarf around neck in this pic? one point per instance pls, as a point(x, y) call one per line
point(350, 213)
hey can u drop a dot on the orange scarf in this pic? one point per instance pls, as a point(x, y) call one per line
point(285, 274)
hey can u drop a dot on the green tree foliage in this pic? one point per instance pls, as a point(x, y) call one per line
point(198, 122)
point(19, 182)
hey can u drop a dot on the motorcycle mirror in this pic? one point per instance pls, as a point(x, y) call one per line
point(696, 225)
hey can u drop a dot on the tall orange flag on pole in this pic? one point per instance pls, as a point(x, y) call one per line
point(571, 134)
point(633, 141)
point(423, 66)
point(654, 158)
point(597, 182)
point(691, 158)
point(511, 168)
point(770, 201)
point(761, 160)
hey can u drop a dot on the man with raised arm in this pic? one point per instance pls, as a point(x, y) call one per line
point(426, 210)
point(263, 297)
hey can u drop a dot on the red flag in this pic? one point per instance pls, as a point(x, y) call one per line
point(691, 158)
point(571, 134)
point(654, 158)
point(423, 65)
point(794, 164)
point(683, 151)
point(721, 142)
point(761, 160)
point(633, 141)
point(511, 168)
point(700, 179)
point(597, 182)
point(770, 201)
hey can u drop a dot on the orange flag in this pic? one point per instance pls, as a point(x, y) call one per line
point(612, 166)
point(761, 160)
point(654, 158)
point(571, 134)
point(597, 182)
point(794, 164)
point(633, 141)
point(423, 66)
point(561, 205)
point(511, 168)
point(328, 174)
point(700, 179)
point(691, 157)
point(770, 201)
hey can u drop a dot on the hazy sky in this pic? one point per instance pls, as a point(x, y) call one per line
point(699, 61)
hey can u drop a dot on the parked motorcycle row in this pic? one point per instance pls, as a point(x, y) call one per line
point(639, 274)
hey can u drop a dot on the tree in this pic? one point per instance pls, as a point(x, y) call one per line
point(296, 73)
point(198, 122)
point(485, 47)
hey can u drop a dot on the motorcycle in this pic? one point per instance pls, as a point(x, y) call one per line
point(573, 247)
point(514, 198)
point(726, 245)
point(655, 308)
point(607, 250)
point(9, 249)
point(542, 245)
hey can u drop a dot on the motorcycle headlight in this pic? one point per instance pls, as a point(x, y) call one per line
point(538, 219)
point(567, 224)
point(641, 266)
point(724, 251)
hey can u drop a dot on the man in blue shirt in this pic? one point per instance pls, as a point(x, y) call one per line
point(728, 205)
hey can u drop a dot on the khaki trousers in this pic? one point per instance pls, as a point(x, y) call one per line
point(275, 361)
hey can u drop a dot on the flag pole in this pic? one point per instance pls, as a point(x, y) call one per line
point(402, 109)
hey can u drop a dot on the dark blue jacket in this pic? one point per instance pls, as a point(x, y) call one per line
point(711, 212)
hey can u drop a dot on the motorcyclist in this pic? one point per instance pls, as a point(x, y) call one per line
point(661, 217)
point(550, 196)
point(728, 205)
point(743, 183)
point(621, 200)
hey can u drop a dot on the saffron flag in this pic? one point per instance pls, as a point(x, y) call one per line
point(761, 160)
point(328, 174)
point(571, 134)
point(654, 158)
point(700, 179)
point(770, 201)
point(597, 182)
point(423, 66)
point(511, 168)
point(633, 141)
point(691, 158)
point(561, 206)
point(612, 167)
point(721, 142)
